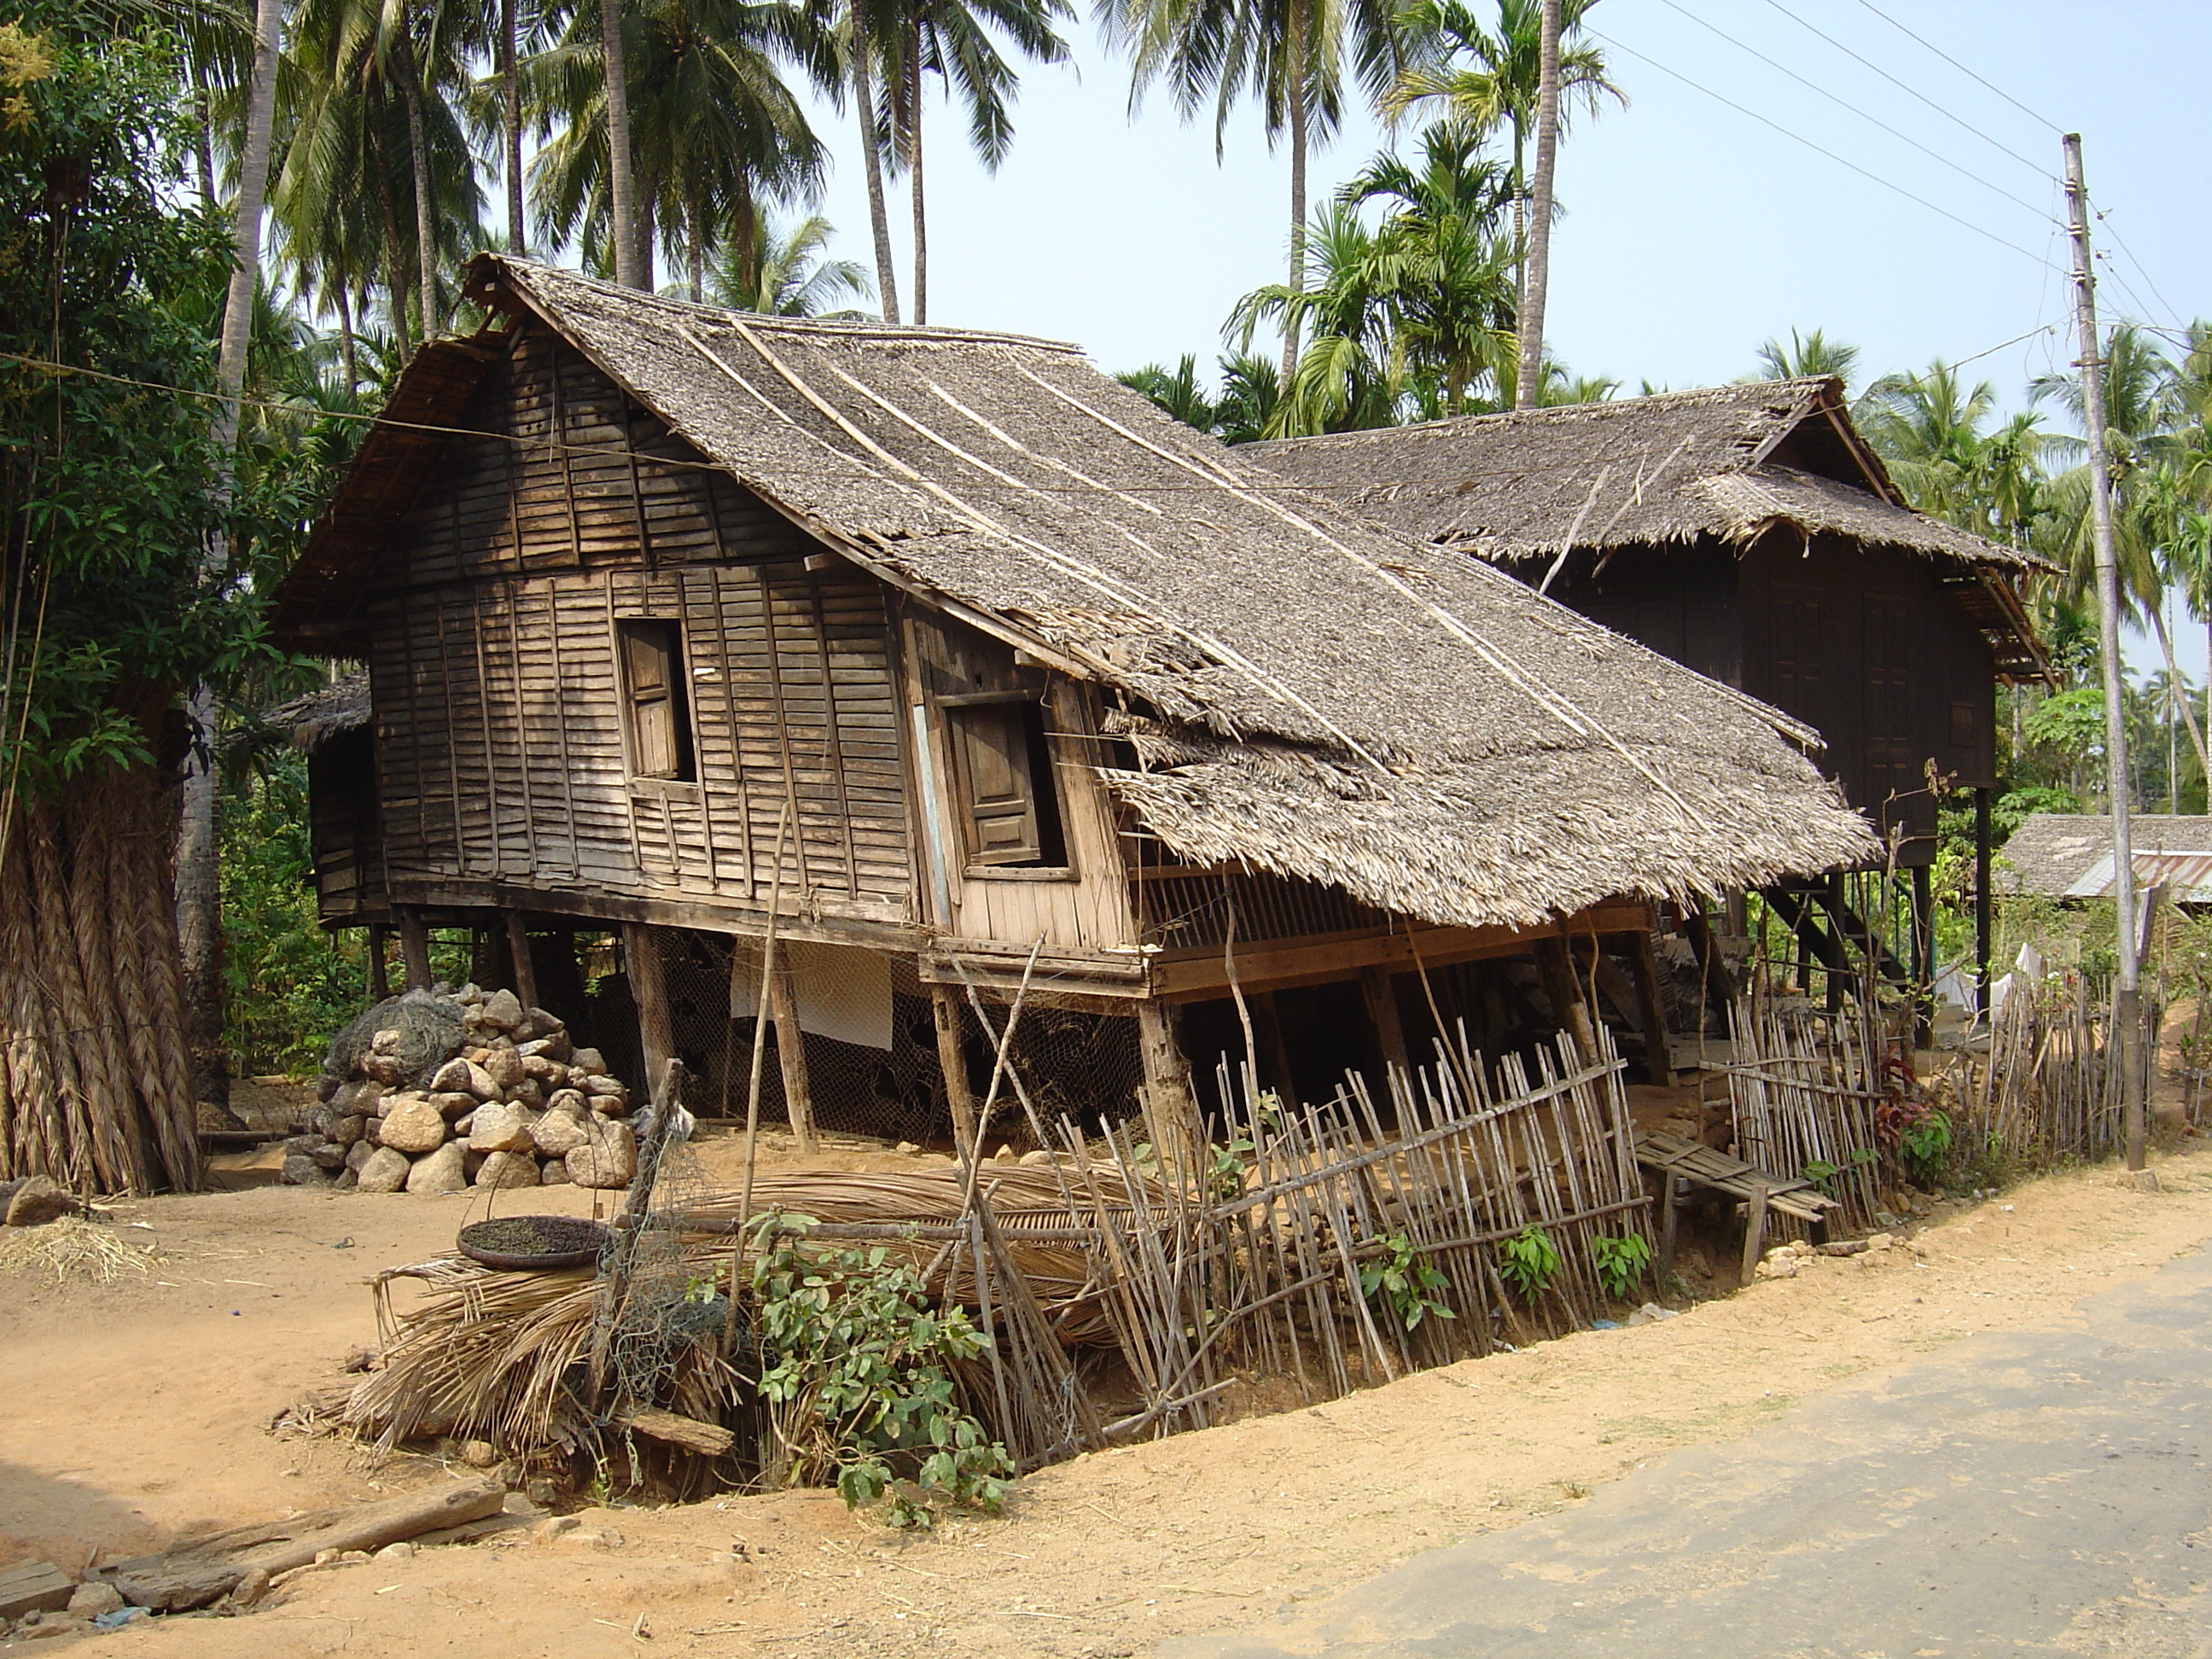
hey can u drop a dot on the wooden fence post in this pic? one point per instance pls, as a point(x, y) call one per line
point(952, 1061)
point(791, 1053)
point(656, 1032)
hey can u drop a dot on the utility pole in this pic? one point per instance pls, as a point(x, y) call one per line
point(1538, 275)
point(2127, 997)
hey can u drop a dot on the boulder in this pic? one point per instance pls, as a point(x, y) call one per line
point(359, 1097)
point(453, 1102)
point(39, 1201)
point(557, 1135)
point(529, 1093)
point(348, 1129)
point(499, 1127)
point(501, 1010)
point(327, 1085)
point(548, 1073)
point(508, 1170)
point(544, 1025)
point(386, 1042)
point(415, 1126)
point(329, 1156)
point(608, 1159)
point(429, 1027)
point(383, 1068)
point(359, 1153)
point(589, 1061)
point(602, 1088)
point(95, 1596)
point(299, 1170)
point(444, 1171)
point(387, 1171)
point(571, 1101)
point(506, 1068)
point(480, 1083)
point(553, 1045)
point(554, 1173)
point(451, 1078)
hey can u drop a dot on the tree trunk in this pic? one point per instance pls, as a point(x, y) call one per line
point(426, 218)
point(914, 183)
point(510, 109)
point(198, 848)
point(1297, 91)
point(871, 159)
point(696, 262)
point(1530, 322)
point(621, 204)
point(349, 354)
point(2173, 679)
point(204, 153)
point(95, 1086)
point(645, 199)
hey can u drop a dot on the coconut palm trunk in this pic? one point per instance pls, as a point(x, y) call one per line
point(1530, 321)
point(198, 876)
point(622, 194)
point(914, 183)
point(426, 217)
point(871, 163)
point(1296, 75)
point(510, 116)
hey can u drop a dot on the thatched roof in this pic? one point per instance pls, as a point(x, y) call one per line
point(2070, 855)
point(314, 718)
point(1308, 694)
point(1731, 463)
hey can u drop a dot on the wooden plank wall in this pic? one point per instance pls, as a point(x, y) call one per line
point(501, 739)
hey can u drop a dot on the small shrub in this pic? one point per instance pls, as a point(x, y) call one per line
point(1528, 1262)
point(1405, 1284)
point(1926, 1146)
point(855, 1371)
point(1620, 1262)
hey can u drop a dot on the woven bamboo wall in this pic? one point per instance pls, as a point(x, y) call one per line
point(500, 745)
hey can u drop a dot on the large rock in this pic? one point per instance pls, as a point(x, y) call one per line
point(549, 1072)
point(507, 1068)
point(429, 1028)
point(359, 1097)
point(571, 1101)
point(387, 1069)
point(508, 1170)
point(607, 1094)
point(414, 1124)
point(454, 1103)
point(553, 1045)
point(609, 1158)
point(359, 1153)
point(554, 1173)
point(329, 1156)
point(451, 1078)
point(557, 1135)
point(299, 1170)
point(39, 1201)
point(444, 1170)
point(589, 1061)
point(480, 1083)
point(501, 1009)
point(385, 1171)
point(499, 1127)
point(528, 1092)
point(348, 1129)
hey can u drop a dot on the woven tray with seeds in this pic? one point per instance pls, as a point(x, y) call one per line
point(534, 1244)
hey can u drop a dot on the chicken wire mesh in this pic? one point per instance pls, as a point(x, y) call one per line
point(1083, 1066)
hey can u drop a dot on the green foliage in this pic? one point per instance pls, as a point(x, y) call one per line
point(1229, 1163)
point(1404, 1283)
point(289, 984)
point(1621, 1263)
point(855, 1368)
point(1925, 1145)
point(1528, 1262)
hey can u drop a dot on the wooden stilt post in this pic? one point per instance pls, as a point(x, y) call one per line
point(415, 949)
point(791, 1053)
point(1383, 1009)
point(656, 1031)
point(380, 975)
point(1650, 1008)
point(952, 1061)
point(1982, 897)
point(522, 973)
point(1670, 1220)
point(1561, 990)
point(1923, 956)
point(1167, 1070)
point(1754, 1231)
point(1274, 1053)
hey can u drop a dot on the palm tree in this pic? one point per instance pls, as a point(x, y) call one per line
point(1176, 392)
point(715, 132)
point(1488, 79)
point(1352, 373)
point(1293, 56)
point(784, 273)
point(1806, 357)
point(952, 39)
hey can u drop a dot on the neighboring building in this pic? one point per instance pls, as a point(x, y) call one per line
point(1024, 680)
point(1751, 533)
point(2068, 855)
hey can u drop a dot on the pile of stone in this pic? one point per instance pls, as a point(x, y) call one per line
point(434, 1091)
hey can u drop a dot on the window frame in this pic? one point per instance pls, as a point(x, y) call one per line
point(666, 635)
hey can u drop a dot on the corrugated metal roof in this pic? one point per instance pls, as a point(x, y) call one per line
point(2187, 876)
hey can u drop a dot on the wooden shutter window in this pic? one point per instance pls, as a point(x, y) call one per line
point(658, 705)
point(992, 749)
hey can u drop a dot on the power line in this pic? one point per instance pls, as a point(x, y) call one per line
point(1821, 149)
point(1845, 103)
point(1947, 115)
point(2104, 219)
point(1962, 68)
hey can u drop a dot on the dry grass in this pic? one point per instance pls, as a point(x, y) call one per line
point(73, 1245)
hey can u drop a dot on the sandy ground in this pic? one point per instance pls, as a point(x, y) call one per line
point(138, 1412)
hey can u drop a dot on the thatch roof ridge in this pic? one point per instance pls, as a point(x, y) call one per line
point(1312, 696)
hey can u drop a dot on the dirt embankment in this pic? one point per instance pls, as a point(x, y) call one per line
point(132, 1412)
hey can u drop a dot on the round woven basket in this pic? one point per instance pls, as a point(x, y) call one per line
point(560, 1241)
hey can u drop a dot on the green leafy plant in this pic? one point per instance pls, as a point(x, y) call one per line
point(1404, 1283)
point(855, 1370)
point(1620, 1262)
point(1229, 1163)
point(1926, 1146)
point(1528, 1262)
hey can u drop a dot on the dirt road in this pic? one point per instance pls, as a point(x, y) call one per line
point(133, 1411)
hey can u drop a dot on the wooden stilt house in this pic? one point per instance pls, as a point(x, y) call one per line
point(1747, 531)
point(970, 669)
